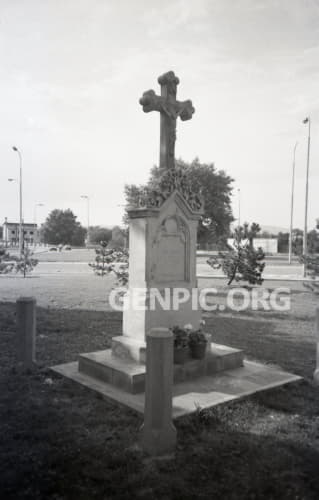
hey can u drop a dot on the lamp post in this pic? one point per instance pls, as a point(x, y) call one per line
point(238, 190)
point(35, 220)
point(12, 179)
point(87, 198)
point(20, 201)
point(292, 203)
point(305, 246)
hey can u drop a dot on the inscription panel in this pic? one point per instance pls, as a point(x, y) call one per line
point(170, 264)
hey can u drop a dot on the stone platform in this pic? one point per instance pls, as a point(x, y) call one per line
point(188, 396)
point(129, 375)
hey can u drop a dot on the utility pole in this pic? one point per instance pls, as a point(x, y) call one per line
point(292, 203)
point(238, 190)
point(305, 246)
point(21, 235)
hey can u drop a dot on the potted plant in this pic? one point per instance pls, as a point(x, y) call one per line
point(181, 347)
point(197, 343)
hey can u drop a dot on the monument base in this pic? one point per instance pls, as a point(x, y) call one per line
point(129, 349)
point(188, 396)
point(129, 375)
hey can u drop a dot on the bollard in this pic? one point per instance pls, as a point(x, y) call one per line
point(316, 373)
point(26, 330)
point(158, 433)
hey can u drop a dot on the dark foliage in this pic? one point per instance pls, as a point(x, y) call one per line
point(242, 262)
point(62, 228)
point(98, 234)
point(215, 187)
point(111, 260)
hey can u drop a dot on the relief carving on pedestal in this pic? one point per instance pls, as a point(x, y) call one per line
point(171, 251)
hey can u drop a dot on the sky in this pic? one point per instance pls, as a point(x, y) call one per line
point(72, 73)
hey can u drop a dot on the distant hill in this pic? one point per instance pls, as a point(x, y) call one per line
point(270, 229)
point(274, 229)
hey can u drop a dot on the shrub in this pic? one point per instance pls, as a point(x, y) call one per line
point(111, 260)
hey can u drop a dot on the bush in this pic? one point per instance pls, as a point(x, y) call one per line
point(11, 263)
point(242, 262)
point(109, 260)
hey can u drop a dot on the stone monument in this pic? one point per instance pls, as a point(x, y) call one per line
point(163, 236)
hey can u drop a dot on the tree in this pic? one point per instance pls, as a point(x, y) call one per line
point(266, 235)
point(313, 241)
point(26, 263)
point(312, 266)
point(13, 263)
point(283, 242)
point(111, 260)
point(297, 241)
point(6, 262)
point(61, 227)
point(98, 234)
point(242, 262)
point(118, 238)
point(215, 188)
point(312, 260)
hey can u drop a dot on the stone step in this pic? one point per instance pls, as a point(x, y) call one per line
point(130, 376)
point(103, 365)
point(128, 348)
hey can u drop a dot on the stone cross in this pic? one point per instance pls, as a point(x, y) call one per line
point(169, 109)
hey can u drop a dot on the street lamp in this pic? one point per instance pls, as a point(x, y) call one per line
point(292, 203)
point(11, 179)
point(305, 247)
point(87, 198)
point(238, 190)
point(20, 201)
point(35, 220)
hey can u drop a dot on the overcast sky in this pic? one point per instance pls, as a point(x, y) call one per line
point(72, 72)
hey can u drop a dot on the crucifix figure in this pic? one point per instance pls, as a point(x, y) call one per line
point(169, 109)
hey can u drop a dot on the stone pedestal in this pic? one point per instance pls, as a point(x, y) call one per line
point(162, 268)
point(158, 434)
point(162, 293)
point(162, 288)
point(129, 375)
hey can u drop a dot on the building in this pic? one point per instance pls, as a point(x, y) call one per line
point(10, 233)
point(268, 245)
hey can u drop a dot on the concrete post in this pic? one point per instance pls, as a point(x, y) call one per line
point(316, 373)
point(26, 330)
point(158, 434)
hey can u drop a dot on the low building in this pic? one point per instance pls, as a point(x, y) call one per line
point(10, 233)
point(268, 245)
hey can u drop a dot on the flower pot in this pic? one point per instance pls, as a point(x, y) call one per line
point(180, 355)
point(198, 351)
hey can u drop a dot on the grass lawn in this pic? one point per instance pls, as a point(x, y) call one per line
point(61, 441)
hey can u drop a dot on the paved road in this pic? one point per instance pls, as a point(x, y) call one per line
point(272, 269)
point(75, 262)
point(282, 270)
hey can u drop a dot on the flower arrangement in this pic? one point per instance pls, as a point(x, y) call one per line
point(197, 337)
point(180, 337)
point(188, 340)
